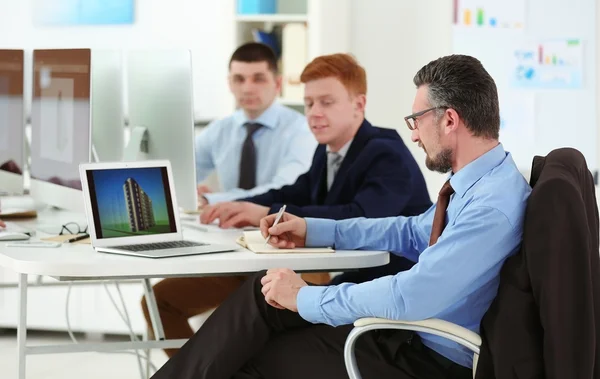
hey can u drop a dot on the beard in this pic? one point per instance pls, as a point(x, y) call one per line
point(441, 163)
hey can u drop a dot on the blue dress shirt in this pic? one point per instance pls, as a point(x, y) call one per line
point(454, 280)
point(284, 150)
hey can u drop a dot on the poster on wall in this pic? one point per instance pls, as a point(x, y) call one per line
point(553, 58)
point(82, 12)
point(490, 14)
point(556, 64)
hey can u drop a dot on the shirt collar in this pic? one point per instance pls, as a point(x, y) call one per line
point(268, 118)
point(344, 150)
point(471, 173)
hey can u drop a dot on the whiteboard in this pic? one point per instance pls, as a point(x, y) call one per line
point(542, 117)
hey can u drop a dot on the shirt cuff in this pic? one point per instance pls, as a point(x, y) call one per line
point(320, 232)
point(309, 304)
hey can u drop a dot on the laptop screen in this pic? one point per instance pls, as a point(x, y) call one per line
point(130, 202)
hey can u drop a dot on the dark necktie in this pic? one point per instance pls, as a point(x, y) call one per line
point(334, 160)
point(248, 158)
point(439, 219)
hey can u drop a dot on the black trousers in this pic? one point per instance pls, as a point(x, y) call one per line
point(247, 338)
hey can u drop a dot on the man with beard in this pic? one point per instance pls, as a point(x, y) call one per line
point(277, 326)
point(358, 170)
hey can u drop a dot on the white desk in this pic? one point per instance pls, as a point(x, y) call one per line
point(80, 262)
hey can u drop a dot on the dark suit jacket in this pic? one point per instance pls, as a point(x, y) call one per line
point(545, 321)
point(378, 178)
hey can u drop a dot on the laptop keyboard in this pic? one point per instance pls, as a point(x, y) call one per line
point(160, 246)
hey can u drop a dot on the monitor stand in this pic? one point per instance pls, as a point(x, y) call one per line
point(137, 148)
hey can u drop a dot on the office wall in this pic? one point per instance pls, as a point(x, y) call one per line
point(392, 40)
point(541, 117)
point(205, 27)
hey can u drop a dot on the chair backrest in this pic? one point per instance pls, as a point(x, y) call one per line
point(550, 291)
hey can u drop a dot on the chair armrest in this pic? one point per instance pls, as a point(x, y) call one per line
point(432, 325)
point(441, 328)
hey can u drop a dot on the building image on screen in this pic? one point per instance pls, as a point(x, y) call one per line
point(132, 202)
point(139, 206)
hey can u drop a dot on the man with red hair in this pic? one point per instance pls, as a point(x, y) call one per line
point(350, 149)
point(278, 326)
point(358, 170)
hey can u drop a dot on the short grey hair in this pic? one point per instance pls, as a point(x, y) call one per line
point(461, 82)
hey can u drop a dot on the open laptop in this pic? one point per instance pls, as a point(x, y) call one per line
point(132, 210)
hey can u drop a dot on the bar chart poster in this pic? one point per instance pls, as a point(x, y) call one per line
point(490, 14)
point(549, 65)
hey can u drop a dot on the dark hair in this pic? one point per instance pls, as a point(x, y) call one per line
point(255, 52)
point(460, 82)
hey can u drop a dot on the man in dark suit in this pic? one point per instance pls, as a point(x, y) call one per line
point(357, 171)
point(376, 176)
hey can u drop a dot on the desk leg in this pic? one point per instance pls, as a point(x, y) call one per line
point(148, 354)
point(22, 325)
point(157, 326)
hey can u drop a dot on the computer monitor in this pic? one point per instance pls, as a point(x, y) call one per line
point(60, 125)
point(108, 123)
point(77, 116)
point(12, 121)
point(161, 115)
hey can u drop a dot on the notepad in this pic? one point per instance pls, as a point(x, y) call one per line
point(255, 242)
point(65, 237)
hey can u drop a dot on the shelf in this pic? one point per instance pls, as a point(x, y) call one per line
point(275, 18)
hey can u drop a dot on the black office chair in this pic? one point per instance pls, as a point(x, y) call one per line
point(561, 210)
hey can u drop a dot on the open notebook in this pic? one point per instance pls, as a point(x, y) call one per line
point(254, 241)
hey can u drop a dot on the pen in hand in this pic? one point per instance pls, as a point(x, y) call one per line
point(279, 215)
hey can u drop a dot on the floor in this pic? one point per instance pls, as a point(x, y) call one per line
point(70, 366)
